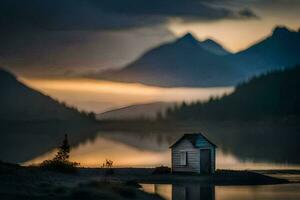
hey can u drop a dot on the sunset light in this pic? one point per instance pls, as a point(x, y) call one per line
point(150, 99)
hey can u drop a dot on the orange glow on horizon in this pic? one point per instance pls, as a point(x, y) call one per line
point(100, 96)
point(89, 85)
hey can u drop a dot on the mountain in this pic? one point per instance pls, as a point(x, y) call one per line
point(280, 49)
point(189, 62)
point(214, 47)
point(184, 62)
point(19, 102)
point(148, 111)
point(270, 96)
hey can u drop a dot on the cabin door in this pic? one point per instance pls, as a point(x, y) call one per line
point(205, 161)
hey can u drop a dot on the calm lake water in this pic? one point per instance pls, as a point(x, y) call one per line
point(144, 150)
point(198, 192)
point(150, 150)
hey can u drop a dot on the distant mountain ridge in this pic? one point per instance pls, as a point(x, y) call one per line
point(189, 62)
point(279, 50)
point(214, 47)
point(21, 103)
point(139, 111)
point(179, 63)
point(208, 44)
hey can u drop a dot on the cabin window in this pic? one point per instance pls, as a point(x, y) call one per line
point(183, 158)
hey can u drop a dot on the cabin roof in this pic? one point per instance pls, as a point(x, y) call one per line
point(193, 137)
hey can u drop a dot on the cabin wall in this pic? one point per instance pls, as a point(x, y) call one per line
point(193, 158)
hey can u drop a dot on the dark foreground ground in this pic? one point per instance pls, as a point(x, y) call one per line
point(33, 183)
point(21, 183)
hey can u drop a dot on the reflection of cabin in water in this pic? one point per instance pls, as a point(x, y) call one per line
point(192, 192)
point(182, 191)
point(194, 153)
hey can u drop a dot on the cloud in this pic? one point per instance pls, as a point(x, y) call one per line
point(247, 13)
point(43, 53)
point(276, 3)
point(279, 6)
point(109, 14)
point(69, 36)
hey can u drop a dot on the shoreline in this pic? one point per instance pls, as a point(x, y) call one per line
point(148, 175)
point(18, 182)
point(221, 177)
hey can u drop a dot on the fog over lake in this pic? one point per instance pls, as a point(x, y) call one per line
point(99, 96)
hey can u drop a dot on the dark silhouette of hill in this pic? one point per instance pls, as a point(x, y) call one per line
point(184, 62)
point(270, 96)
point(189, 62)
point(280, 49)
point(32, 123)
point(19, 102)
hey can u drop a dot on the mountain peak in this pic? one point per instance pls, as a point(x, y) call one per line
point(188, 37)
point(281, 30)
point(214, 47)
point(209, 41)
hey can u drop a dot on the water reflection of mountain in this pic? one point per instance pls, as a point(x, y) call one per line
point(22, 141)
point(155, 141)
point(258, 141)
point(255, 141)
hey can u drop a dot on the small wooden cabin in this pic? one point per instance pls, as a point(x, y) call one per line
point(193, 153)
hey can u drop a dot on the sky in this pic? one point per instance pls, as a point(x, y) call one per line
point(66, 38)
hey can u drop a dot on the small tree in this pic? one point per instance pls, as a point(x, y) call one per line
point(63, 151)
point(61, 161)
